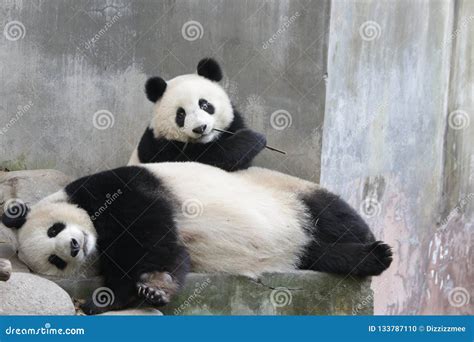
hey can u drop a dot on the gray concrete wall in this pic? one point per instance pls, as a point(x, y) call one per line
point(398, 145)
point(54, 78)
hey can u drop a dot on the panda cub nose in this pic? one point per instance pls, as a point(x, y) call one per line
point(200, 129)
point(75, 247)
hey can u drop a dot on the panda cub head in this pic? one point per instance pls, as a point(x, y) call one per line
point(188, 107)
point(53, 237)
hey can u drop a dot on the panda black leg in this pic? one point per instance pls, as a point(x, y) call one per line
point(349, 258)
point(159, 283)
point(342, 241)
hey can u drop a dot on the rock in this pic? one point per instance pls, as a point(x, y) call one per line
point(293, 293)
point(5, 269)
point(28, 294)
point(134, 312)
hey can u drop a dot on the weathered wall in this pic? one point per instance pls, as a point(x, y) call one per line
point(398, 146)
point(54, 79)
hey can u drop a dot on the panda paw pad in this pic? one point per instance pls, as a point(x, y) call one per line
point(156, 288)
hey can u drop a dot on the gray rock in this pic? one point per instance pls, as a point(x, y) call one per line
point(134, 312)
point(28, 294)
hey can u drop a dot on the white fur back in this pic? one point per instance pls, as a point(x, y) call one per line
point(233, 224)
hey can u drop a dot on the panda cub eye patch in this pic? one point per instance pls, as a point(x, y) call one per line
point(204, 105)
point(57, 261)
point(180, 116)
point(55, 229)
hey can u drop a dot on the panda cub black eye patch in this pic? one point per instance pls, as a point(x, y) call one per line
point(180, 116)
point(57, 261)
point(55, 229)
point(206, 106)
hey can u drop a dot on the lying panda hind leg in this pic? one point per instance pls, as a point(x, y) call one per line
point(342, 241)
point(158, 286)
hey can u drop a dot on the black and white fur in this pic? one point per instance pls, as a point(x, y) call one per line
point(186, 111)
point(172, 217)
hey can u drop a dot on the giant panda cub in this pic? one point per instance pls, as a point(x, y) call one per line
point(146, 226)
point(188, 109)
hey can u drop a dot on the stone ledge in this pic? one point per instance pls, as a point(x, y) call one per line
point(295, 293)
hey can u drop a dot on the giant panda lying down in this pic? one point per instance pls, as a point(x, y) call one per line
point(147, 226)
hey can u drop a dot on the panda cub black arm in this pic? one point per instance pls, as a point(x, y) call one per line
point(235, 152)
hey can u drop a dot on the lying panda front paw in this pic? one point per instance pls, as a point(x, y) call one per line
point(156, 288)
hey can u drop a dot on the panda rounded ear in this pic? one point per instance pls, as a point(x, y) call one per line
point(210, 69)
point(15, 214)
point(155, 88)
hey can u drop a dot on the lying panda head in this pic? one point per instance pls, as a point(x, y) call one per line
point(53, 238)
point(188, 107)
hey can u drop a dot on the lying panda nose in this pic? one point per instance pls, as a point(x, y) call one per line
point(75, 247)
point(200, 129)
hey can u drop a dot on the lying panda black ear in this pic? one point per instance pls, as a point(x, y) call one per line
point(15, 215)
point(155, 88)
point(210, 69)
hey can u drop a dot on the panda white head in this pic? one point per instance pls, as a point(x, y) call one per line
point(188, 107)
point(53, 237)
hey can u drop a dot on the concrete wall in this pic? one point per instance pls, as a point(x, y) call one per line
point(54, 78)
point(398, 145)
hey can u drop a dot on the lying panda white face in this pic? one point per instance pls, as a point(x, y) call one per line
point(56, 238)
point(188, 107)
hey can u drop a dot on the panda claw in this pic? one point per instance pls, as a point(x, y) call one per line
point(156, 288)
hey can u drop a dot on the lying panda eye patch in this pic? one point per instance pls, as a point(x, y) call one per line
point(55, 229)
point(57, 261)
point(204, 105)
point(180, 115)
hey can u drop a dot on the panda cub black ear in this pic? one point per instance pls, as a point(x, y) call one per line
point(210, 69)
point(155, 88)
point(15, 215)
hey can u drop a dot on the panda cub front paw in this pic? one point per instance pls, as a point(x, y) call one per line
point(156, 288)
